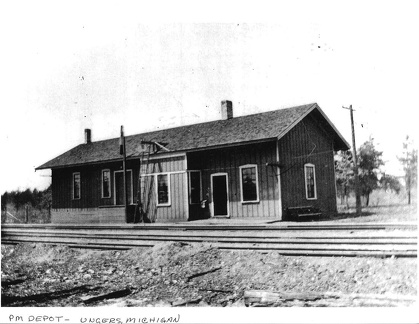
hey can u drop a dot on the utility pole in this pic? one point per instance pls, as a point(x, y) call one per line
point(139, 207)
point(357, 194)
point(122, 150)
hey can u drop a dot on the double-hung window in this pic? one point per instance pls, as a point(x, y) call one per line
point(249, 183)
point(163, 190)
point(310, 181)
point(76, 185)
point(106, 183)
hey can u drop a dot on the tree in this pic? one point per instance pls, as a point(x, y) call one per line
point(344, 174)
point(389, 182)
point(41, 200)
point(46, 199)
point(409, 161)
point(4, 200)
point(370, 162)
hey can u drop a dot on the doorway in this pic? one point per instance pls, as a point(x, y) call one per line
point(119, 187)
point(219, 190)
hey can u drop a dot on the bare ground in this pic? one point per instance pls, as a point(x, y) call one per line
point(177, 274)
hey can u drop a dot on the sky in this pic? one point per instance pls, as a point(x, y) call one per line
point(67, 66)
point(70, 65)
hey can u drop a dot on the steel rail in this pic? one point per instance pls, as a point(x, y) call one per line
point(213, 227)
point(285, 246)
point(236, 234)
point(280, 250)
point(220, 238)
point(335, 246)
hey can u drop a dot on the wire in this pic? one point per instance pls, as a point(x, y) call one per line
point(304, 156)
point(311, 154)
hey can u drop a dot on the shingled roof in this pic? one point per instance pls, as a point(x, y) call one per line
point(238, 130)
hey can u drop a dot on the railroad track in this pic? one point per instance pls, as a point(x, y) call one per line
point(220, 227)
point(375, 240)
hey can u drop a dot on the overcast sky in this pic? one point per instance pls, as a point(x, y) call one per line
point(72, 65)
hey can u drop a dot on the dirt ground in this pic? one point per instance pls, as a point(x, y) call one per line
point(178, 274)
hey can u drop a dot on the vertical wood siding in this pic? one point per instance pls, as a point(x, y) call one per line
point(91, 185)
point(163, 165)
point(307, 143)
point(177, 210)
point(91, 190)
point(229, 161)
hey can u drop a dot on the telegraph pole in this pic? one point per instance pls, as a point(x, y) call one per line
point(122, 150)
point(357, 194)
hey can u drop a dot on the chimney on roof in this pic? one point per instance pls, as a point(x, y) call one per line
point(87, 136)
point(226, 109)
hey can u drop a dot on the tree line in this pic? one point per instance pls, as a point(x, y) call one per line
point(37, 199)
point(370, 175)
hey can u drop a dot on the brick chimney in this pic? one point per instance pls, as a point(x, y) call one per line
point(226, 109)
point(87, 136)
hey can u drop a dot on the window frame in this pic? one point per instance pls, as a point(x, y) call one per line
point(306, 166)
point(169, 200)
point(73, 187)
point(109, 185)
point(246, 166)
point(190, 187)
point(114, 187)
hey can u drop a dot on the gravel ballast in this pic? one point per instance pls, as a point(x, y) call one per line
point(179, 274)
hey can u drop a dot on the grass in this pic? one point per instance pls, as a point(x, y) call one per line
point(380, 214)
point(36, 216)
point(383, 207)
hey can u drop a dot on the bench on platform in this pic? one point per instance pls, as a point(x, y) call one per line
point(301, 213)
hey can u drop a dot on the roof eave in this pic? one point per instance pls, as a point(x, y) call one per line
point(334, 128)
point(214, 147)
point(45, 167)
point(269, 139)
point(295, 122)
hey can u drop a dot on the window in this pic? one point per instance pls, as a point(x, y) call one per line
point(76, 185)
point(310, 180)
point(106, 183)
point(163, 193)
point(195, 196)
point(249, 183)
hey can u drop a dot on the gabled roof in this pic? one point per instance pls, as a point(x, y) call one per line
point(238, 130)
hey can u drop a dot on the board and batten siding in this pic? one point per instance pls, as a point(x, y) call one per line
point(92, 208)
point(153, 165)
point(91, 185)
point(228, 161)
point(307, 143)
point(175, 168)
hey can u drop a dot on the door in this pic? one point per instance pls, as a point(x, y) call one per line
point(119, 187)
point(219, 194)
